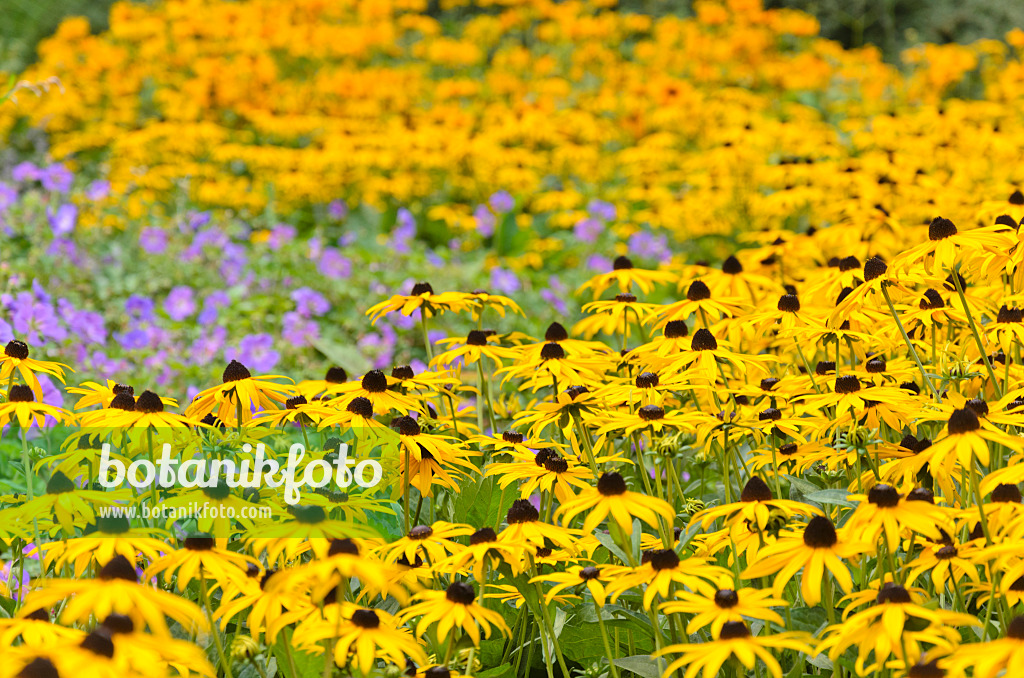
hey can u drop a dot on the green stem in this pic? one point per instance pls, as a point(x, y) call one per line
point(913, 352)
point(977, 335)
point(205, 596)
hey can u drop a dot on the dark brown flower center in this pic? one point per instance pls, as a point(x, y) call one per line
point(422, 288)
point(521, 511)
point(820, 533)
point(590, 572)
point(40, 667)
point(402, 372)
point(940, 229)
point(406, 426)
point(884, 496)
point(733, 630)
point(703, 340)
point(932, 300)
point(476, 338)
point(875, 366)
point(361, 406)
point(343, 546)
point(235, 371)
point(732, 265)
point(16, 349)
point(149, 403)
point(513, 437)
point(118, 567)
point(460, 593)
point(374, 381)
point(873, 268)
point(622, 264)
point(336, 375)
point(929, 670)
point(1015, 629)
point(698, 291)
point(726, 599)
point(647, 380)
point(611, 484)
point(20, 394)
point(663, 559)
point(824, 367)
point(963, 421)
point(119, 623)
point(1006, 493)
point(651, 413)
point(552, 351)
point(850, 263)
point(770, 414)
point(421, 532)
point(756, 490)
point(789, 303)
point(293, 403)
point(365, 619)
point(947, 552)
point(484, 535)
point(676, 329)
point(123, 401)
point(847, 383)
point(921, 494)
point(892, 593)
point(556, 332)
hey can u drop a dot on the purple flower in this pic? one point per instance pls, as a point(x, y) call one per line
point(602, 210)
point(208, 346)
point(180, 303)
point(140, 308)
point(402, 321)
point(195, 221)
point(309, 302)
point(504, 281)
point(299, 330)
point(8, 196)
point(588, 229)
point(153, 240)
point(257, 352)
point(337, 209)
point(63, 248)
point(347, 239)
point(485, 221)
point(213, 301)
point(280, 235)
point(25, 171)
point(88, 326)
point(133, 339)
point(6, 333)
point(63, 220)
point(555, 300)
point(16, 588)
point(36, 321)
point(648, 246)
point(97, 190)
point(57, 177)
point(502, 202)
point(595, 262)
point(333, 264)
point(233, 260)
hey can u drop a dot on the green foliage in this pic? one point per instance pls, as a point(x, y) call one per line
point(25, 22)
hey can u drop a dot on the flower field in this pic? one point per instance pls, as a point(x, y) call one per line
point(674, 346)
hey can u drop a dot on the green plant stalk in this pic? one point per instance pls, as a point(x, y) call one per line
point(913, 352)
point(205, 596)
point(604, 638)
point(977, 335)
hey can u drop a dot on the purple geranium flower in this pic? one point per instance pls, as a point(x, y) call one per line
point(333, 264)
point(502, 202)
point(180, 303)
point(588, 229)
point(57, 177)
point(140, 308)
point(648, 246)
point(504, 281)
point(485, 221)
point(257, 352)
point(280, 235)
point(602, 210)
point(153, 240)
point(25, 171)
point(309, 302)
point(97, 190)
point(299, 330)
point(63, 220)
point(8, 196)
point(337, 209)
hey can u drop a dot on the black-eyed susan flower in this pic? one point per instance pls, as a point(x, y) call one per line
point(201, 557)
point(612, 498)
point(734, 641)
point(424, 298)
point(546, 471)
point(359, 637)
point(882, 628)
point(147, 411)
point(625, 275)
point(1004, 656)
point(433, 543)
point(22, 407)
point(817, 548)
point(593, 578)
point(454, 608)
point(375, 386)
point(885, 511)
point(524, 526)
point(15, 360)
point(756, 506)
point(115, 590)
point(966, 440)
point(660, 569)
point(240, 394)
point(725, 605)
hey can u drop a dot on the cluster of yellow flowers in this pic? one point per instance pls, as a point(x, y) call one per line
point(731, 120)
point(831, 412)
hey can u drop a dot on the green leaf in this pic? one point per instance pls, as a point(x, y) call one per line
point(496, 672)
point(348, 357)
point(833, 496)
point(643, 665)
point(305, 664)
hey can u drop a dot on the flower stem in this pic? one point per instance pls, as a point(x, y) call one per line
point(977, 335)
point(913, 351)
point(205, 596)
point(604, 638)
